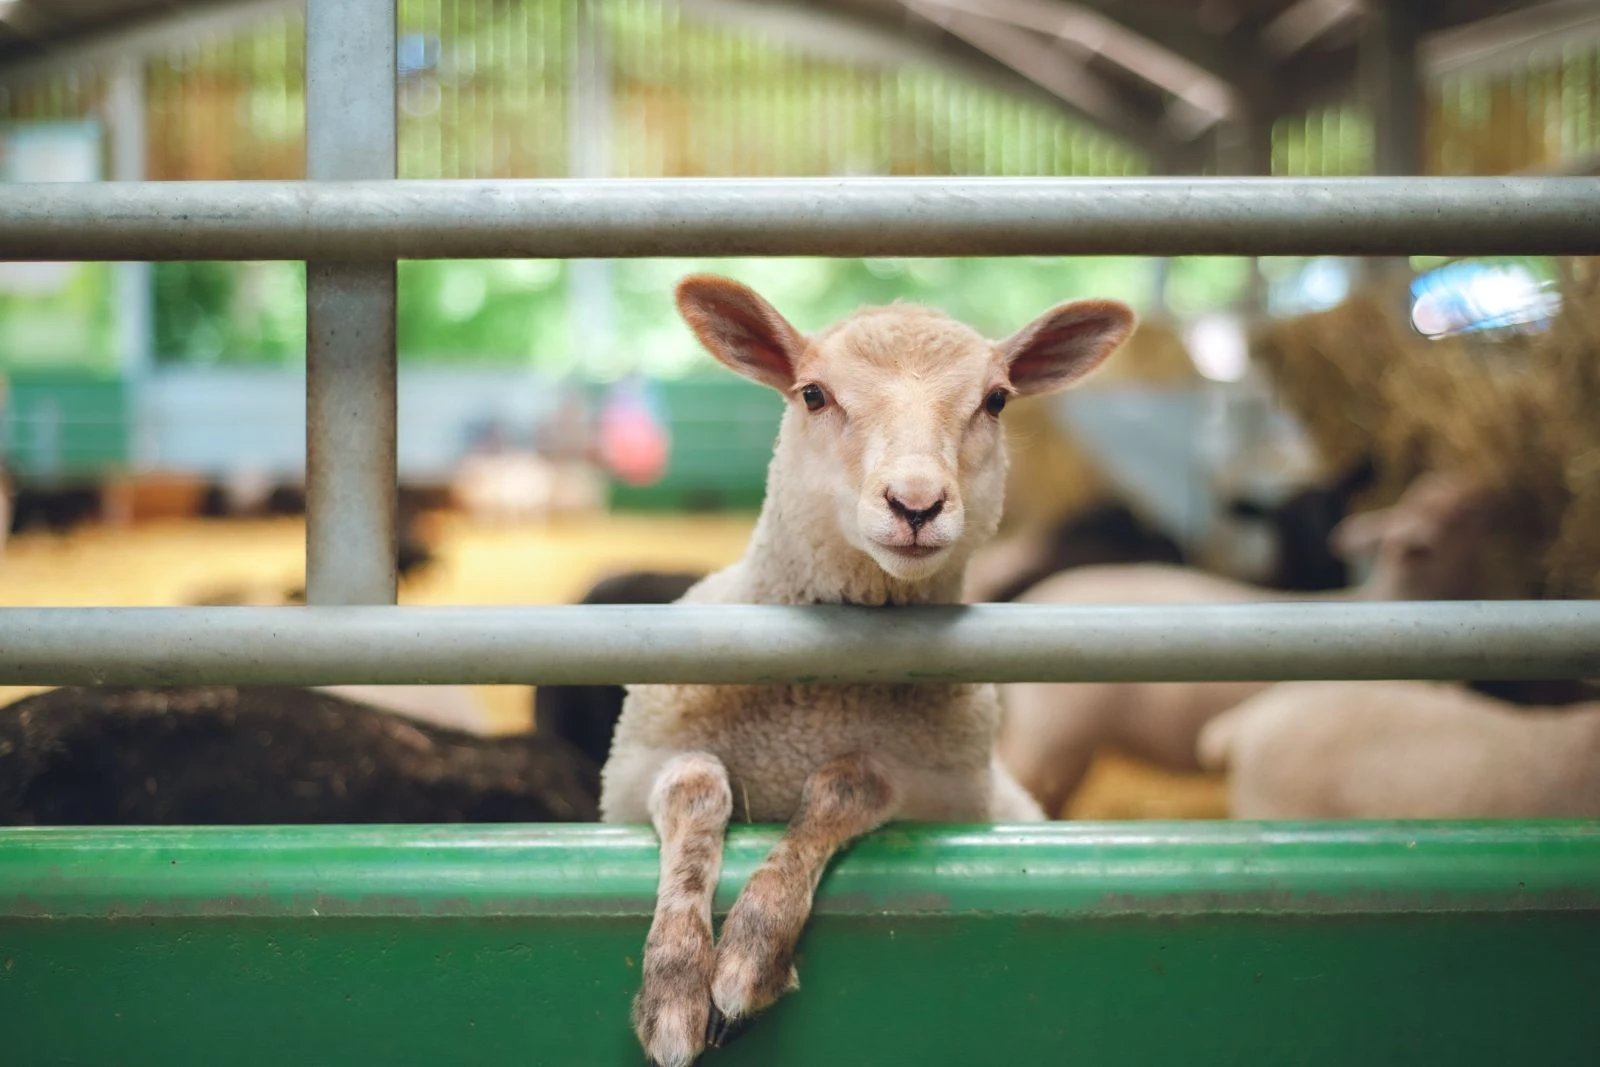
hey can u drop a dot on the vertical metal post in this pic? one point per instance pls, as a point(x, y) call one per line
point(350, 314)
point(590, 291)
point(125, 104)
point(1180, 160)
point(1244, 148)
point(133, 283)
point(1391, 89)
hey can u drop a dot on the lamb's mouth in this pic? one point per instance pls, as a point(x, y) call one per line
point(913, 551)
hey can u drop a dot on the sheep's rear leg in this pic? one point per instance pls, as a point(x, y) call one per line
point(690, 803)
point(842, 800)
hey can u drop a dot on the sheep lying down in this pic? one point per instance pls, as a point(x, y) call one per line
point(888, 472)
point(1403, 750)
point(254, 755)
point(1428, 546)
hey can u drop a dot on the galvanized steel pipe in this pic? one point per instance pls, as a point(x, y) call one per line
point(768, 644)
point(383, 220)
point(350, 314)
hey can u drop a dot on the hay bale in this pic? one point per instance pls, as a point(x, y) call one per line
point(1326, 368)
point(1521, 414)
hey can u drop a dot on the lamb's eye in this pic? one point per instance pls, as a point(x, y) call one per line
point(814, 397)
point(995, 402)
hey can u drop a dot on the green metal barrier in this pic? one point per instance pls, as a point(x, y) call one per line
point(1094, 944)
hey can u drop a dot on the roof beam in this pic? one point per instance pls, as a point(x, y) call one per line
point(1304, 23)
point(824, 30)
point(1502, 43)
point(1201, 99)
point(1228, 57)
point(1510, 40)
point(139, 39)
point(1048, 67)
point(26, 19)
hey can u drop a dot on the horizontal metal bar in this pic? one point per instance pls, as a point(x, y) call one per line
point(347, 221)
point(768, 644)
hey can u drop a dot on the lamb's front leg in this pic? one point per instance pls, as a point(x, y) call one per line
point(842, 800)
point(690, 803)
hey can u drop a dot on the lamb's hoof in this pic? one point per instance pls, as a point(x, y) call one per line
point(671, 1025)
point(720, 1029)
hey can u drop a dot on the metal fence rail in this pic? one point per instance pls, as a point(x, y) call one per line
point(383, 220)
point(768, 644)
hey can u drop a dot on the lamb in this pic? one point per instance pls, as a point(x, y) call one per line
point(888, 471)
point(1403, 750)
point(1427, 547)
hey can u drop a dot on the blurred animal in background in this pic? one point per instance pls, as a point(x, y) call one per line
point(54, 510)
point(501, 481)
point(515, 486)
point(6, 494)
point(1403, 750)
point(1428, 546)
point(586, 716)
point(1302, 527)
point(240, 756)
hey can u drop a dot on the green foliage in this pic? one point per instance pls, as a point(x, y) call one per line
point(63, 321)
point(1197, 284)
point(515, 312)
point(994, 295)
point(499, 312)
point(229, 313)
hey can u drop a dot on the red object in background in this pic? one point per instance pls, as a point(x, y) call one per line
point(634, 443)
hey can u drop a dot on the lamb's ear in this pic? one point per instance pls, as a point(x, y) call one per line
point(743, 331)
point(1065, 344)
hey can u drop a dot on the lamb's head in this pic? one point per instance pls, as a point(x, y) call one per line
point(892, 428)
point(1429, 545)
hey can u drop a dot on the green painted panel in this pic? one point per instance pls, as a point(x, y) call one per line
point(65, 425)
point(722, 433)
point(1085, 943)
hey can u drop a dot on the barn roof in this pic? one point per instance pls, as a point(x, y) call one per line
point(1157, 73)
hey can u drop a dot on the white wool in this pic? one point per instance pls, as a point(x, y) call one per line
point(1404, 750)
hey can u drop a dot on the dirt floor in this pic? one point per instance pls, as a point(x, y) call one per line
point(179, 561)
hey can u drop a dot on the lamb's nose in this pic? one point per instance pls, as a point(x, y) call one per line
point(916, 518)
